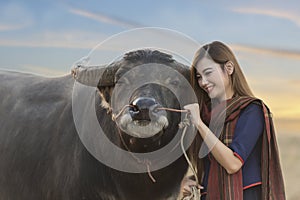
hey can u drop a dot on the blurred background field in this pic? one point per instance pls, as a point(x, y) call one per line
point(289, 147)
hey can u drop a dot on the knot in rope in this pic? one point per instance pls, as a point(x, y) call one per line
point(185, 122)
point(195, 194)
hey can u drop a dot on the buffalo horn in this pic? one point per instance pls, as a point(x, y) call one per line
point(93, 75)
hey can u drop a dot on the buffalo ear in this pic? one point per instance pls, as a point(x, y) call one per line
point(107, 78)
point(106, 85)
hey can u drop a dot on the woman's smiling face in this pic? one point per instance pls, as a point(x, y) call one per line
point(213, 79)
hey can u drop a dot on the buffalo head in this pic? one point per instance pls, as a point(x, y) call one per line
point(135, 90)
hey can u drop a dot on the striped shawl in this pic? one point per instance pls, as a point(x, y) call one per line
point(223, 186)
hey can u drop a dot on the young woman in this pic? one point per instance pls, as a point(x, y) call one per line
point(235, 129)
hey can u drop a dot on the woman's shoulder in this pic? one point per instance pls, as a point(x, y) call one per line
point(252, 103)
point(254, 108)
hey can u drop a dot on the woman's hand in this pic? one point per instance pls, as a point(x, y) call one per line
point(194, 111)
point(186, 185)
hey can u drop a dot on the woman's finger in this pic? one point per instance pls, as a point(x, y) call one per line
point(200, 187)
point(186, 192)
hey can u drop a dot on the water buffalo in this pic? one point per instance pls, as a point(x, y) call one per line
point(42, 156)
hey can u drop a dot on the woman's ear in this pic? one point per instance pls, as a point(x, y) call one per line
point(229, 67)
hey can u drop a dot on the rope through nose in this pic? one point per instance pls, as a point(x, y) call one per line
point(173, 110)
point(115, 117)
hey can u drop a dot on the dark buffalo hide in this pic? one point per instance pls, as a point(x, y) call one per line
point(42, 156)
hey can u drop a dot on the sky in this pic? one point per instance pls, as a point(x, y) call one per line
point(47, 37)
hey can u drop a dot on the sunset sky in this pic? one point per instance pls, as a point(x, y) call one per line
point(47, 37)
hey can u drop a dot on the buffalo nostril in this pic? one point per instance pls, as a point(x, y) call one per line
point(141, 107)
point(143, 103)
point(134, 109)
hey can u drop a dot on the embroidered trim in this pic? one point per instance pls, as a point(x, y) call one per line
point(252, 185)
point(239, 157)
point(244, 188)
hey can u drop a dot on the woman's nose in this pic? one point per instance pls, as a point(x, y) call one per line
point(202, 82)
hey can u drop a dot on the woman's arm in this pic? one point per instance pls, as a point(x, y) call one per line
point(223, 154)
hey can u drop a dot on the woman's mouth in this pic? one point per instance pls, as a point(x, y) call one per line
point(208, 89)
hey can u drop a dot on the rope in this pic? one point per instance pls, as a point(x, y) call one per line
point(146, 162)
point(195, 193)
point(114, 117)
point(162, 108)
point(172, 109)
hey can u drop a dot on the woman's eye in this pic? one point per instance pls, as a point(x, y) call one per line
point(208, 73)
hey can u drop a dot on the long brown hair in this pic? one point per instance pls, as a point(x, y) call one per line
point(221, 54)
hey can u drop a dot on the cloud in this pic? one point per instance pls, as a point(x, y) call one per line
point(276, 92)
point(105, 18)
point(114, 45)
point(288, 15)
point(274, 52)
point(295, 82)
point(11, 27)
point(60, 39)
point(14, 17)
point(44, 71)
